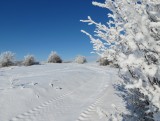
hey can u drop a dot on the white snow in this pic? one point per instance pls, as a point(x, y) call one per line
point(58, 92)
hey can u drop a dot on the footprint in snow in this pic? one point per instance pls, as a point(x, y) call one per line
point(58, 88)
point(52, 85)
point(24, 85)
point(35, 83)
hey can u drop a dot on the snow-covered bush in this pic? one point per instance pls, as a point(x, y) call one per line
point(131, 39)
point(29, 60)
point(54, 58)
point(7, 59)
point(104, 61)
point(80, 59)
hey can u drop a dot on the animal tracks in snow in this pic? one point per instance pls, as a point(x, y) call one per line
point(61, 92)
point(88, 114)
point(54, 103)
point(33, 113)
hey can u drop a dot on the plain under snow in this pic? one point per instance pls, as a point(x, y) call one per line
point(58, 92)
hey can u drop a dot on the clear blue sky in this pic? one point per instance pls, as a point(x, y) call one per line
point(39, 26)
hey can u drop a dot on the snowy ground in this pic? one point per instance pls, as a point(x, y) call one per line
point(57, 92)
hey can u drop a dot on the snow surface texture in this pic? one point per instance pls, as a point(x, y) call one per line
point(58, 92)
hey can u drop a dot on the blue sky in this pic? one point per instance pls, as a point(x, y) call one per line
point(39, 26)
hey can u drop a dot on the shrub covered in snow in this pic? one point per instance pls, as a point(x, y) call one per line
point(131, 39)
point(29, 60)
point(7, 59)
point(104, 61)
point(54, 58)
point(80, 59)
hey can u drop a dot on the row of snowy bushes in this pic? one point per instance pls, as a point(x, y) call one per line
point(8, 59)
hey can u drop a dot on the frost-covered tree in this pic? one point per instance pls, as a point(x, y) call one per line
point(7, 59)
point(80, 59)
point(131, 39)
point(54, 58)
point(29, 60)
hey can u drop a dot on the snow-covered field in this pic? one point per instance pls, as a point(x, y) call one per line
point(58, 92)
